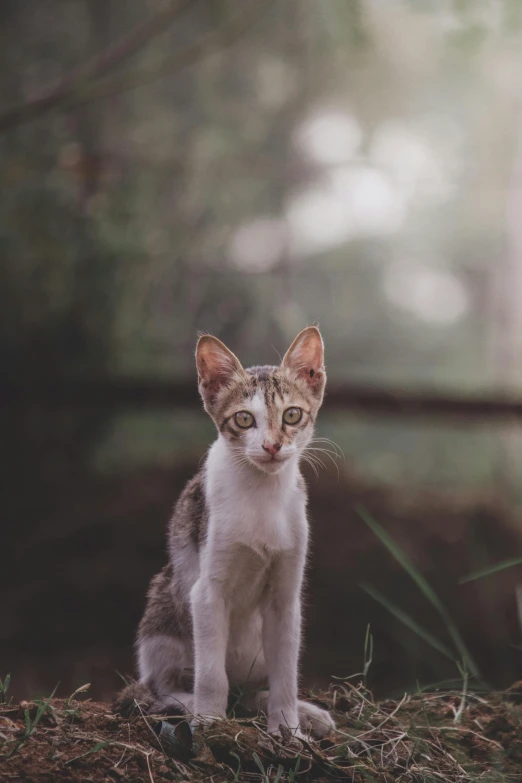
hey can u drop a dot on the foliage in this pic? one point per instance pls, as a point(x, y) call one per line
point(124, 223)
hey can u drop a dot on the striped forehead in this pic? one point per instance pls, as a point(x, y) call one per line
point(258, 408)
point(268, 380)
point(268, 393)
point(261, 392)
point(266, 412)
point(264, 392)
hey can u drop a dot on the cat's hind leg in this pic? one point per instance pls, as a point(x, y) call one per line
point(164, 662)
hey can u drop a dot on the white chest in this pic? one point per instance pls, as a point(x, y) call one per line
point(259, 521)
point(264, 513)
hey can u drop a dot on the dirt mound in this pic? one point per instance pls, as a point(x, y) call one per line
point(423, 737)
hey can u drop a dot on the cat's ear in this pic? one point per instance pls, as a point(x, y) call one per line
point(305, 359)
point(217, 367)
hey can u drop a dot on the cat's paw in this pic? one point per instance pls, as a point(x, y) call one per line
point(204, 720)
point(286, 735)
point(314, 720)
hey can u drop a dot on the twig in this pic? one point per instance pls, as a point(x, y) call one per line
point(108, 59)
point(147, 756)
point(75, 89)
point(225, 35)
point(138, 705)
point(165, 394)
point(469, 731)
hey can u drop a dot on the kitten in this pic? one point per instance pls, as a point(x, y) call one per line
point(229, 601)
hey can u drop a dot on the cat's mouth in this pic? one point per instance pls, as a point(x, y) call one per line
point(270, 464)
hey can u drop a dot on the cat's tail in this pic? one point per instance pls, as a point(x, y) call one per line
point(139, 698)
point(134, 698)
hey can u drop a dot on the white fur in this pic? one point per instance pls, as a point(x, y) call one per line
point(251, 449)
point(246, 603)
point(244, 585)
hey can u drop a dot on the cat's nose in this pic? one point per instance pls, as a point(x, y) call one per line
point(271, 448)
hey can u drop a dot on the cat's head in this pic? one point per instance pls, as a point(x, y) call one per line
point(266, 414)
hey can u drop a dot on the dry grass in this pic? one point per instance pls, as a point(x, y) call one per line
point(422, 738)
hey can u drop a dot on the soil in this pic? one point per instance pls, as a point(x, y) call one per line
point(423, 738)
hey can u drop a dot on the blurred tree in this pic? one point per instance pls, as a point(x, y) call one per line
point(324, 161)
point(59, 270)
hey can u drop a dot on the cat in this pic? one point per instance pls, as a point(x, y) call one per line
point(228, 604)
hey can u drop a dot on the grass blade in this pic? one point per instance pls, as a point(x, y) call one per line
point(408, 621)
point(279, 774)
point(238, 770)
point(43, 706)
point(368, 653)
point(97, 747)
point(491, 570)
point(261, 767)
point(423, 586)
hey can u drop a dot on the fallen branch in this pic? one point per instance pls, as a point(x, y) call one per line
point(84, 84)
point(165, 394)
point(220, 37)
point(102, 63)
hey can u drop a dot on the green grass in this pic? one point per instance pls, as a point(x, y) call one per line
point(4, 687)
point(490, 570)
point(368, 653)
point(31, 723)
point(425, 588)
point(408, 621)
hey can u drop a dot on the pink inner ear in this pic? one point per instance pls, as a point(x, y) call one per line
point(306, 358)
point(212, 367)
point(314, 353)
point(216, 365)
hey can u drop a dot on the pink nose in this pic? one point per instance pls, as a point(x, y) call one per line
point(271, 448)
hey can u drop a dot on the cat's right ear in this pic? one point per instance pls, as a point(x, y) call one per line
point(217, 367)
point(305, 360)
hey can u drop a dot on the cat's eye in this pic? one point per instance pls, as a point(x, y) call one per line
point(244, 419)
point(292, 415)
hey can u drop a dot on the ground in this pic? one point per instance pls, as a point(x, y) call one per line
point(425, 737)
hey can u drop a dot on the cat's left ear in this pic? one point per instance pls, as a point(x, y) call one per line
point(217, 367)
point(305, 359)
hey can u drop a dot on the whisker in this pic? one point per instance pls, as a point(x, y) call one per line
point(317, 459)
point(239, 461)
point(306, 459)
point(322, 447)
point(325, 451)
point(314, 458)
point(331, 443)
point(329, 454)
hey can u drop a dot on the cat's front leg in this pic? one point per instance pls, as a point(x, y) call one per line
point(281, 643)
point(210, 620)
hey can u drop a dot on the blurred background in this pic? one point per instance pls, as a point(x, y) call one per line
point(247, 168)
